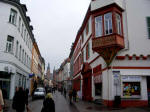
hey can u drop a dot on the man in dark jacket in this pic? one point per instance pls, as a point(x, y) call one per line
point(19, 100)
point(48, 104)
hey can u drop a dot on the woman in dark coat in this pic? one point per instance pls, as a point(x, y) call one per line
point(19, 100)
point(48, 104)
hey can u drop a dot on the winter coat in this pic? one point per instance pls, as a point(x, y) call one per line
point(19, 101)
point(48, 105)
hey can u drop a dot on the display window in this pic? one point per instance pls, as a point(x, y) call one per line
point(131, 89)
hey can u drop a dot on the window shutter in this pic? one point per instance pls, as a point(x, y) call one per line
point(148, 26)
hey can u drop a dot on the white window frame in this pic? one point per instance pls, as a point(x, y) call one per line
point(108, 23)
point(13, 16)
point(98, 26)
point(9, 45)
point(118, 22)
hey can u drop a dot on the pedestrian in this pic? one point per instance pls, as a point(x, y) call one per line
point(1, 101)
point(65, 92)
point(20, 101)
point(74, 93)
point(48, 104)
point(4, 92)
point(70, 96)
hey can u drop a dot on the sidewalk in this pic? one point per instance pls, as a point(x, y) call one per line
point(84, 106)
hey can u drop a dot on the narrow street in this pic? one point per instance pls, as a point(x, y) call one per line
point(61, 104)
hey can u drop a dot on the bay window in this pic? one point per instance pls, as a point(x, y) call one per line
point(107, 24)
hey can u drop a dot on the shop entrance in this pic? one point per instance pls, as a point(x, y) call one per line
point(148, 89)
point(5, 84)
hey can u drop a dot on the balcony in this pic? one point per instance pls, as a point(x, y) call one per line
point(113, 40)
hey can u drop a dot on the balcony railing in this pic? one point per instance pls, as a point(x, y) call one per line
point(113, 40)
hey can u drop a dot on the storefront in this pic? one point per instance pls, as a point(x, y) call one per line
point(133, 91)
point(131, 86)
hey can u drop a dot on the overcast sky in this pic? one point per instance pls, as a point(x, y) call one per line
point(55, 24)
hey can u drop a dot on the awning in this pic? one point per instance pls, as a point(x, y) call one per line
point(140, 72)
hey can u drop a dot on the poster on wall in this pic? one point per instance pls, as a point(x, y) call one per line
point(131, 89)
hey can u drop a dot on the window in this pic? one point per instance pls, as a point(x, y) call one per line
point(9, 44)
point(108, 23)
point(17, 45)
point(83, 56)
point(22, 30)
point(24, 34)
point(27, 38)
point(131, 89)
point(118, 22)
point(25, 58)
point(87, 51)
point(148, 26)
point(13, 16)
point(19, 24)
point(87, 28)
point(20, 53)
point(98, 26)
point(82, 38)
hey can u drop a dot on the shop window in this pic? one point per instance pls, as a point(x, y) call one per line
point(98, 89)
point(131, 89)
point(148, 26)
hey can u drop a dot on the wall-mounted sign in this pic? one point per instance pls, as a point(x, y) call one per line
point(131, 78)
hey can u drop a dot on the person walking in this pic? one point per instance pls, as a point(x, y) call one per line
point(70, 96)
point(20, 101)
point(1, 101)
point(48, 104)
point(74, 93)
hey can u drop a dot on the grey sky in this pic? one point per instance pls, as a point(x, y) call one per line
point(56, 23)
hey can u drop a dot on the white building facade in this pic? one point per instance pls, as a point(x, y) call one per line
point(15, 46)
point(111, 52)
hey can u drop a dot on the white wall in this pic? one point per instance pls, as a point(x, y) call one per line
point(137, 27)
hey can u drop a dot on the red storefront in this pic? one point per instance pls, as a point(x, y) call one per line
point(87, 82)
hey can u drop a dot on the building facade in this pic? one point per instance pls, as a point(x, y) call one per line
point(15, 46)
point(111, 53)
